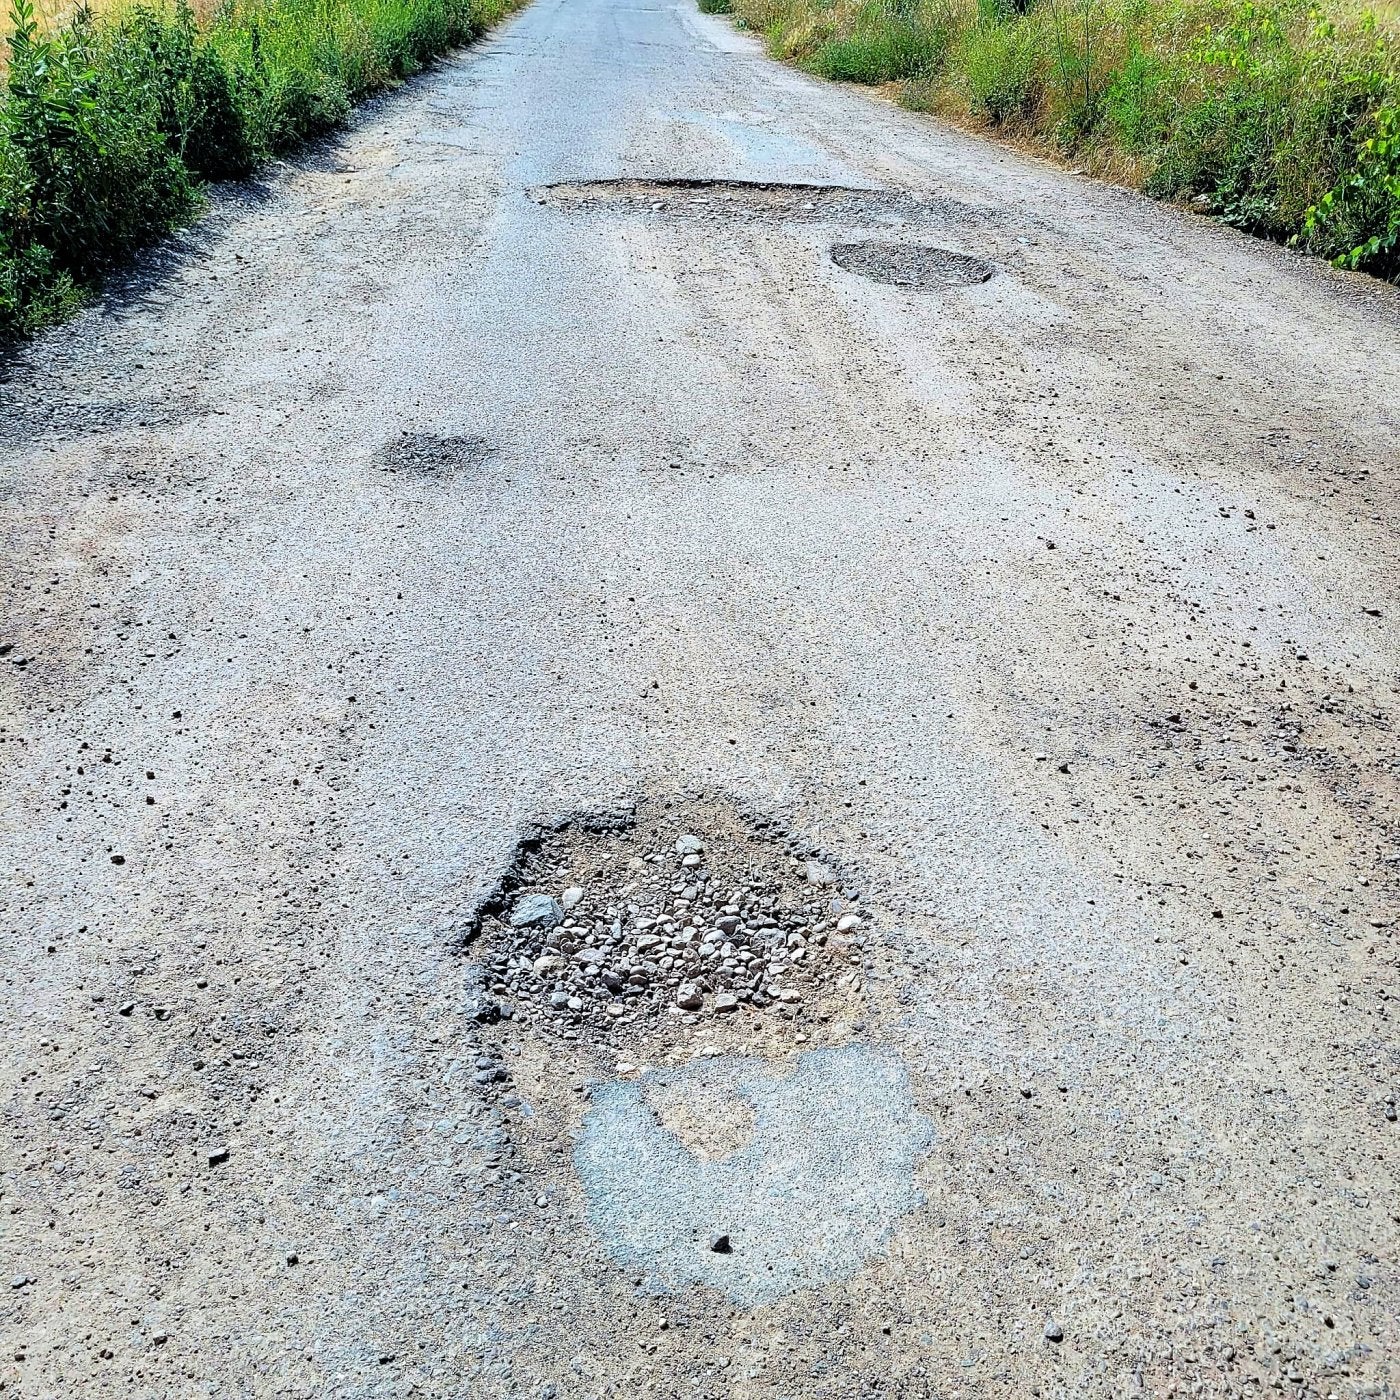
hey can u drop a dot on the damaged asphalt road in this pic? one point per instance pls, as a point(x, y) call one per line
point(957, 676)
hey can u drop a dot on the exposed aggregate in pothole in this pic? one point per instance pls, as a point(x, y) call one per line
point(601, 935)
point(431, 454)
point(912, 265)
point(755, 200)
point(699, 954)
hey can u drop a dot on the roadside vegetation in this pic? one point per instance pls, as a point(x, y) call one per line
point(110, 125)
point(1269, 114)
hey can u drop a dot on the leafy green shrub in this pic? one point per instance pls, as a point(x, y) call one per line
point(716, 7)
point(299, 103)
point(1141, 102)
point(87, 167)
point(1269, 125)
point(878, 56)
point(213, 121)
point(106, 129)
point(32, 291)
point(1357, 222)
point(999, 62)
point(893, 41)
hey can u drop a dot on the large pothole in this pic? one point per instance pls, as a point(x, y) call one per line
point(689, 913)
point(675, 997)
point(912, 265)
point(747, 199)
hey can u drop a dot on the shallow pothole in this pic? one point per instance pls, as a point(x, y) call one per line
point(431, 454)
point(745, 199)
point(912, 265)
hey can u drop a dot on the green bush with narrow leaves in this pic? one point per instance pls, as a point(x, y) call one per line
point(1001, 70)
point(891, 40)
point(109, 129)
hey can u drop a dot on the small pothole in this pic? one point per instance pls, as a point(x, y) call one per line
point(912, 265)
point(431, 455)
point(746, 199)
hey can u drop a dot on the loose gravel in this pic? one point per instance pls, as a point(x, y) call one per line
point(599, 936)
point(912, 265)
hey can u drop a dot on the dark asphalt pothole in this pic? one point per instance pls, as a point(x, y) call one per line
point(429, 455)
point(912, 265)
point(746, 199)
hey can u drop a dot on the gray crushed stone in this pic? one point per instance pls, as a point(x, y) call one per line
point(912, 265)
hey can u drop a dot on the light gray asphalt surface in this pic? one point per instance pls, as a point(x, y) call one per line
point(1059, 608)
point(792, 1218)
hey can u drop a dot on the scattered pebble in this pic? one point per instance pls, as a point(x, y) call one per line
point(537, 911)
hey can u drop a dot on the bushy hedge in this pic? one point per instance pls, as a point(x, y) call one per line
point(108, 129)
point(1263, 112)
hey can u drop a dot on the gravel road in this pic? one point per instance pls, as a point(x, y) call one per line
point(932, 709)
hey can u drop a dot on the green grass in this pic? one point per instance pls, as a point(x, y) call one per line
point(886, 44)
point(109, 128)
point(1268, 113)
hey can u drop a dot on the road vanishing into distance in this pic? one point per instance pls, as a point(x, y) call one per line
point(668, 732)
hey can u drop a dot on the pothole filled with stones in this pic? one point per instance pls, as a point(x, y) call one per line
point(431, 455)
point(729, 199)
point(912, 265)
point(687, 915)
point(682, 988)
